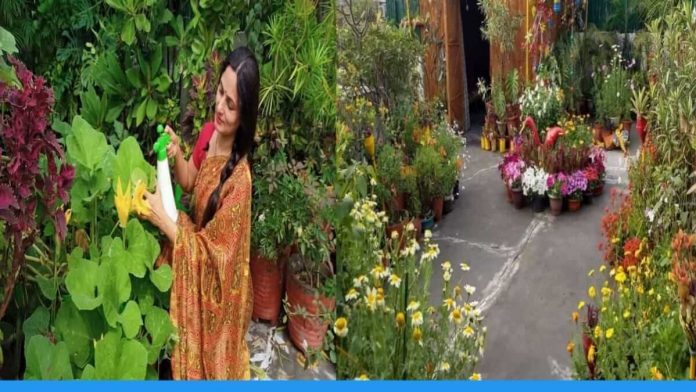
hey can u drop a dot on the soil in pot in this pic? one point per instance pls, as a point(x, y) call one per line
point(267, 282)
point(556, 205)
point(309, 328)
point(517, 198)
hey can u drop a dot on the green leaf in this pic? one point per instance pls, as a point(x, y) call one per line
point(46, 361)
point(8, 74)
point(82, 280)
point(156, 60)
point(141, 244)
point(117, 4)
point(162, 277)
point(162, 83)
point(142, 23)
point(129, 158)
point(159, 326)
point(119, 255)
point(140, 112)
point(114, 112)
point(7, 42)
point(116, 358)
point(36, 324)
point(48, 286)
point(128, 32)
point(61, 127)
point(144, 292)
point(151, 109)
point(85, 145)
point(78, 329)
point(89, 373)
point(130, 320)
point(133, 75)
point(115, 288)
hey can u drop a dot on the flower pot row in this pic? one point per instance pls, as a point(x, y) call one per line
point(556, 204)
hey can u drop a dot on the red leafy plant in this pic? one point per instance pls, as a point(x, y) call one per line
point(26, 140)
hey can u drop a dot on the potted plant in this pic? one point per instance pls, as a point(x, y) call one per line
point(513, 106)
point(391, 189)
point(500, 110)
point(534, 186)
point(433, 171)
point(310, 282)
point(512, 172)
point(640, 108)
point(555, 184)
point(597, 157)
point(575, 186)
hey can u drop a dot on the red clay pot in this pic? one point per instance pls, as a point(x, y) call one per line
point(508, 191)
point(556, 205)
point(627, 125)
point(437, 205)
point(310, 329)
point(574, 204)
point(517, 198)
point(399, 201)
point(267, 282)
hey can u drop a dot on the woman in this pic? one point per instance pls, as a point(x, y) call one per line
point(211, 296)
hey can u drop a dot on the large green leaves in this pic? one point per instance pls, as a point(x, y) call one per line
point(159, 326)
point(82, 280)
point(78, 329)
point(118, 358)
point(115, 287)
point(130, 319)
point(86, 146)
point(35, 325)
point(46, 361)
point(130, 165)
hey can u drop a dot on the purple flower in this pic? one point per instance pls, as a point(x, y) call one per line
point(577, 183)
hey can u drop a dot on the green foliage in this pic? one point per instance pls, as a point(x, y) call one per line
point(7, 45)
point(389, 163)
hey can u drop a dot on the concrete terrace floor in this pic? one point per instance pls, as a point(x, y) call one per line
point(530, 270)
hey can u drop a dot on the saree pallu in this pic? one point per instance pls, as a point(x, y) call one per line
point(211, 296)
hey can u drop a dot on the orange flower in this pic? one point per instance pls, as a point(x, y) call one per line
point(570, 347)
point(575, 316)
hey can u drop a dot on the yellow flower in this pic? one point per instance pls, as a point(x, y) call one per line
point(609, 333)
point(475, 377)
point(575, 316)
point(352, 294)
point(413, 306)
point(394, 280)
point(602, 268)
point(591, 292)
point(591, 272)
point(68, 214)
point(666, 310)
point(456, 316)
point(597, 331)
point(591, 354)
point(371, 299)
point(620, 276)
point(606, 292)
point(400, 319)
point(140, 206)
point(626, 314)
point(417, 335)
point(656, 374)
point(581, 305)
point(615, 240)
point(341, 327)
point(363, 377)
point(417, 319)
point(122, 200)
point(651, 292)
point(569, 347)
point(449, 303)
point(468, 331)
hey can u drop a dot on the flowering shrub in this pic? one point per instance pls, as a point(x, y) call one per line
point(555, 184)
point(544, 102)
point(511, 170)
point(574, 185)
point(534, 181)
point(386, 328)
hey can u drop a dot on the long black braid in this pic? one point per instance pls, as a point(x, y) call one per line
point(244, 64)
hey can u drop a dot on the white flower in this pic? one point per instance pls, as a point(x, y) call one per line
point(417, 319)
point(413, 306)
point(447, 275)
point(352, 294)
point(262, 218)
point(444, 367)
point(357, 282)
point(428, 234)
point(650, 214)
point(469, 289)
point(372, 181)
point(446, 266)
point(394, 235)
point(410, 227)
point(465, 267)
point(395, 281)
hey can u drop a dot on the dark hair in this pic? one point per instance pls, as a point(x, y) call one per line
point(243, 63)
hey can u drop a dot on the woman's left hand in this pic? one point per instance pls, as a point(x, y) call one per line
point(158, 216)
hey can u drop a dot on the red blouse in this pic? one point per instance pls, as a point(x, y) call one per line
point(201, 148)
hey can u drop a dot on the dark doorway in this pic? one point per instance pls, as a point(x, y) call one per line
point(477, 54)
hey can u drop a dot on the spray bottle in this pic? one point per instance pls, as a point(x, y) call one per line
point(164, 179)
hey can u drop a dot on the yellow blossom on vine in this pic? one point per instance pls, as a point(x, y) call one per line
point(140, 206)
point(122, 200)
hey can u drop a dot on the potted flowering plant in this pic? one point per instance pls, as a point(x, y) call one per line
point(498, 92)
point(512, 172)
point(534, 186)
point(507, 159)
point(574, 187)
point(554, 185)
point(543, 102)
point(597, 157)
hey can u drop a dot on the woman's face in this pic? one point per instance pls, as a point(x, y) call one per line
point(227, 112)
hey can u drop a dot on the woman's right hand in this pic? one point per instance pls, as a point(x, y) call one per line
point(173, 149)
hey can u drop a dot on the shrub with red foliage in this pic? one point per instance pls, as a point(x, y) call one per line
point(25, 140)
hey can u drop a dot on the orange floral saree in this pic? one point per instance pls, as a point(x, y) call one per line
point(211, 296)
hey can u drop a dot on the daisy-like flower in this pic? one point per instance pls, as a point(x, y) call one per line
point(417, 319)
point(341, 327)
point(362, 377)
point(358, 282)
point(464, 266)
point(394, 280)
point(430, 254)
point(444, 367)
point(400, 320)
point(417, 336)
point(377, 271)
point(428, 234)
point(447, 275)
point(446, 266)
point(371, 299)
point(609, 333)
point(410, 227)
point(591, 292)
point(475, 377)
point(413, 305)
point(352, 294)
point(449, 303)
point(470, 289)
point(468, 331)
point(456, 316)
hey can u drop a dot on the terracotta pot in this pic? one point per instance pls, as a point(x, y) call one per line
point(641, 124)
point(437, 206)
point(556, 205)
point(517, 198)
point(310, 329)
point(608, 140)
point(400, 227)
point(627, 125)
point(598, 131)
point(267, 283)
point(508, 191)
point(574, 204)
